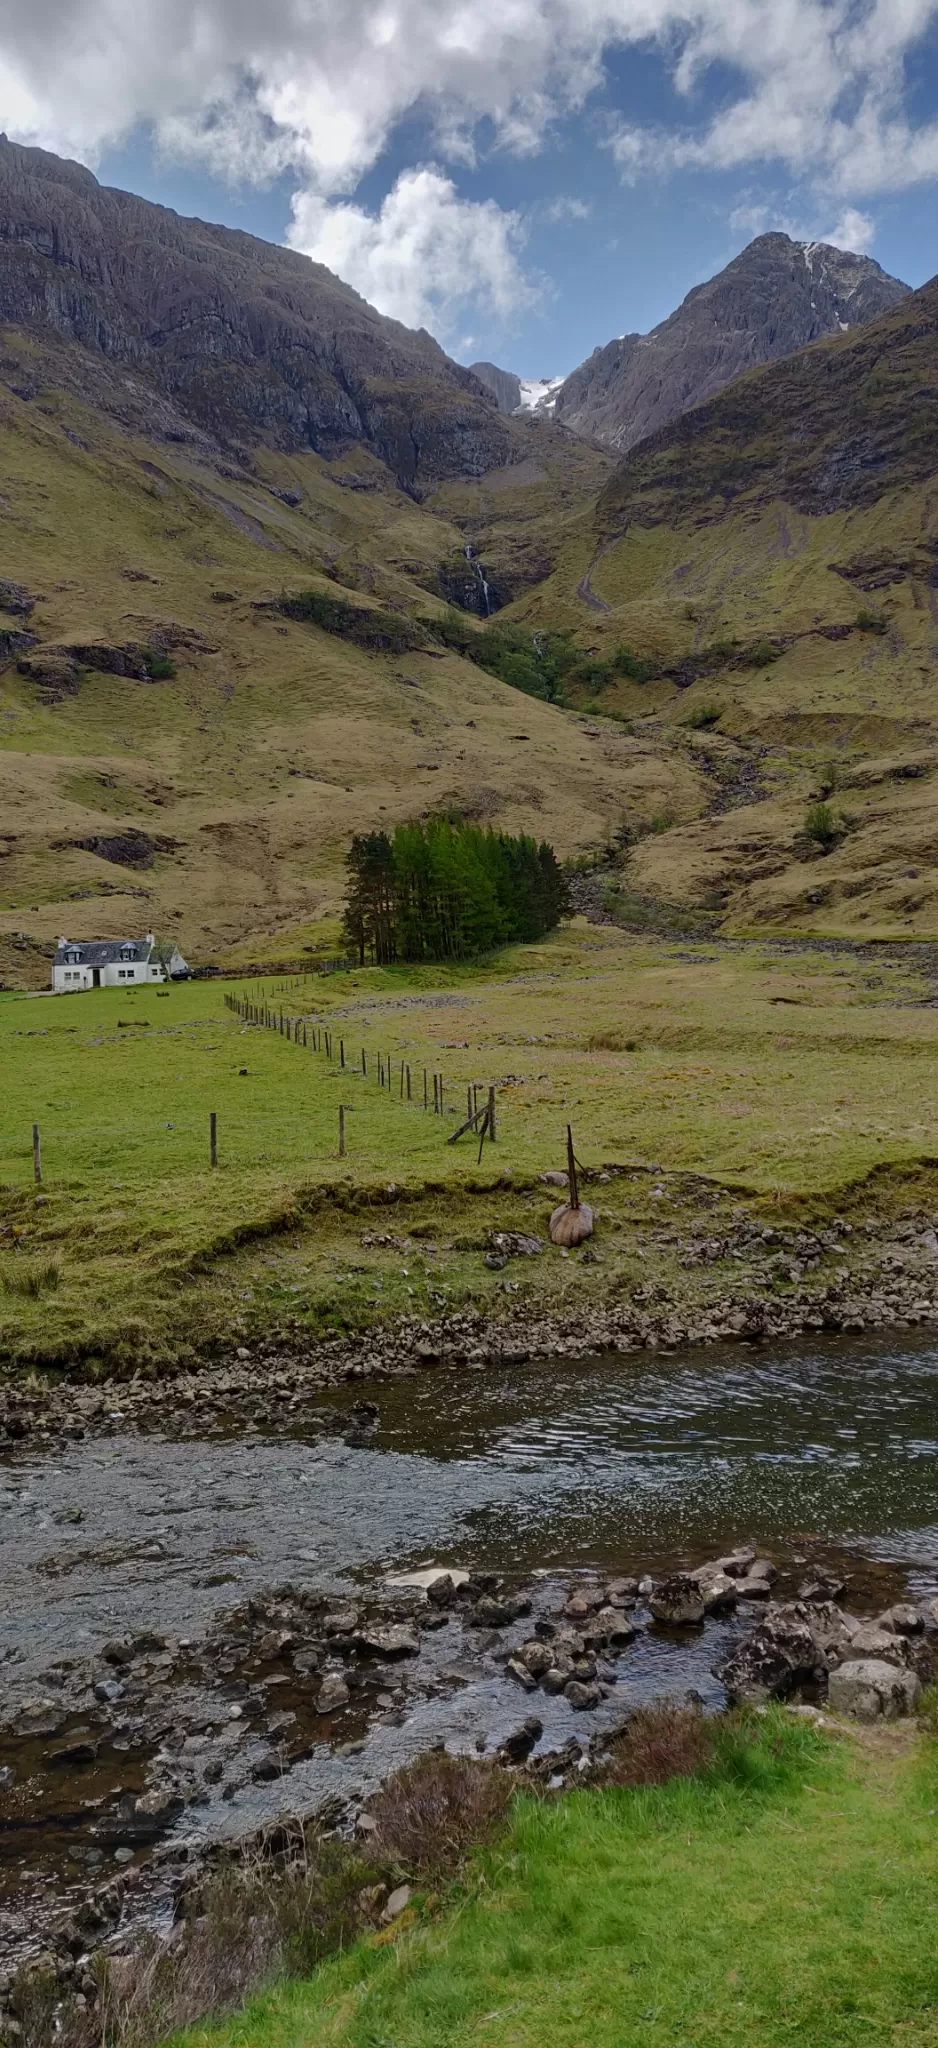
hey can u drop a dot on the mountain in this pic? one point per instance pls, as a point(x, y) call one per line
point(503, 384)
point(758, 582)
point(774, 298)
point(250, 342)
point(232, 494)
point(515, 394)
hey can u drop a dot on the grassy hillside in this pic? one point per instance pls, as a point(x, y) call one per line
point(252, 745)
point(771, 561)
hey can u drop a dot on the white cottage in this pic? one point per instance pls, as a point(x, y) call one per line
point(114, 963)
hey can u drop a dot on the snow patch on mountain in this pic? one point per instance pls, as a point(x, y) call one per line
point(539, 394)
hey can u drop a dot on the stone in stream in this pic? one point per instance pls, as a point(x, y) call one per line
point(869, 1690)
point(498, 1610)
point(333, 1693)
point(678, 1601)
point(517, 1746)
point(871, 1640)
point(903, 1619)
point(612, 1625)
point(536, 1657)
point(757, 1582)
point(738, 1562)
point(395, 1641)
point(581, 1695)
point(822, 1586)
point(520, 1673)
point(779, 1655)
point(719, 1591)
point(556, 1678)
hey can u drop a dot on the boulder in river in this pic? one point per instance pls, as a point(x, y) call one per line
point(779, 1655)
point(678, 1601)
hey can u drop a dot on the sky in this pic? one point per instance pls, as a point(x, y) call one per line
point(525, 178)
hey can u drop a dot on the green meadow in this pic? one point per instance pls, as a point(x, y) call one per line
point(792, 1073)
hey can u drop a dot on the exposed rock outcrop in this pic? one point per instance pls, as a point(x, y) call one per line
point(775, 297)
point(244, 339)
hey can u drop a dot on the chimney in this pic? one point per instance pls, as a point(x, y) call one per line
point(148, 939)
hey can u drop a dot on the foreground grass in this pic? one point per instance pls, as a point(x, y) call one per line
point(788, 1894)
point(791, 1074)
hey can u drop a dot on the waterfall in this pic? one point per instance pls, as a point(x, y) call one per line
point(470, 555)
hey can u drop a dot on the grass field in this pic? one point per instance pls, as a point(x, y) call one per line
point(791, 1073)
point(787, 1895)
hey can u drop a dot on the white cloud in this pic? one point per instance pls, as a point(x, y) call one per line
point(425, 257)
point(567, 207)
point(255, 86)
point(315, 88)
point(854, 230)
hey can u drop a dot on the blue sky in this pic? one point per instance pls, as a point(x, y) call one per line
point(525, 177)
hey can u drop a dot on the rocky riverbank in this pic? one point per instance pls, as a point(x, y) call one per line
point(152, 1738)
point(748, 1282)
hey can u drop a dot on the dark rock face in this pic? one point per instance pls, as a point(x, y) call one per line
point(503, 384)
point(246, 341)
point(774, 298)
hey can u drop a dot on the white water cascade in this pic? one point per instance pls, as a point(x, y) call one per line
point(469, 553)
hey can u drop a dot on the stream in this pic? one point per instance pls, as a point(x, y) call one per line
point(822, 1453)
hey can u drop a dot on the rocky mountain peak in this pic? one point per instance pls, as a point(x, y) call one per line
point(776, 296)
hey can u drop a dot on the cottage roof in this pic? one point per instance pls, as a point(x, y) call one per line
point(103, 952)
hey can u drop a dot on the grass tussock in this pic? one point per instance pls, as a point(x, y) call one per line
point(252, 1918)
point(432, 1813)
point(30, 1278)
point(660, 1742)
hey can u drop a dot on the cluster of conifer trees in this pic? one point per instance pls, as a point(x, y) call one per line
point(446, 890)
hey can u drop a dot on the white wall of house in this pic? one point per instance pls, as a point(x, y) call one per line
point(71, 975)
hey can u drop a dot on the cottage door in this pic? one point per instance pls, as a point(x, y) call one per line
point(96, 977)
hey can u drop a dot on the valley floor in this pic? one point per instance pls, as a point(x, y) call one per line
point(738, 1095)
point(786, 1894)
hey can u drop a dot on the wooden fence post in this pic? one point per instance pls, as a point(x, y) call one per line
point(409, 1086)
point(37, 1154)
point(364, 1063)
point(492, 1115)
point(425, 1088)
point(213, 1137)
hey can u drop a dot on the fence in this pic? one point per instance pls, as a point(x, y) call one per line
point(318, 1038)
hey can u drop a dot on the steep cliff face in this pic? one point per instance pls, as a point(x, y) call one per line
point(774, 298)
point(504, 386)
point(250, 342)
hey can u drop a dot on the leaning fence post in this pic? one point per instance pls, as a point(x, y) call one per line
point(213, 1137)
point(37, 1154)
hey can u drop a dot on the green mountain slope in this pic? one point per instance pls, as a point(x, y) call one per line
point(174, 751)
point(772, 558)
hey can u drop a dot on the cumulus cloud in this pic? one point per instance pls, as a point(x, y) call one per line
point(426, 257)
point(316, 88)
point(257, 86)
point(854, 230)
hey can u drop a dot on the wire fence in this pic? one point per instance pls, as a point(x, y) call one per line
point(230, 1137)
point(401, 1077)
